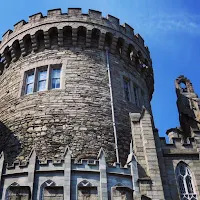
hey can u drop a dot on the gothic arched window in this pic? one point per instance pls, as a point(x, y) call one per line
point(185, 182)
point(49, 190)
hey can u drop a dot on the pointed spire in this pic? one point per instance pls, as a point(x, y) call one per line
point(32, 154)
point(101, 154)
point(2, 156)
point(67, 151)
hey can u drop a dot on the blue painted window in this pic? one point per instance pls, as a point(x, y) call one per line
point(42, 80)
point(55, 78)
point(29, 83)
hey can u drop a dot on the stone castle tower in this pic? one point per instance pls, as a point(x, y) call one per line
point(76, 120)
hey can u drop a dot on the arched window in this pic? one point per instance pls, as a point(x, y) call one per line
point(67, 35)
point(15, 191)
point(39, 40)
point(185, 183)
point(95, 37)
point(108, 39)
point(81, 35)
point(53, 37)
point(7, 55)
point(120, 191)
point(130, 52)
point(17, 49)
point(49, 190)
point(120, 44)
point(87, 191)
point(1, 65)
point(27, 44)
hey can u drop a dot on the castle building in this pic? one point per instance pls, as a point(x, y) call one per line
point(76, 120)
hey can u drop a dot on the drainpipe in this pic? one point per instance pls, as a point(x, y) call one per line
point(111, 102)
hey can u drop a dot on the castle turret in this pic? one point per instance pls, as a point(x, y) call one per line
point(188, 106)
point(68, 82)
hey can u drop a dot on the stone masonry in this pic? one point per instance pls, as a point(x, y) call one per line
point(75, 115)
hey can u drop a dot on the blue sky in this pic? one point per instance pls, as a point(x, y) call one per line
point(170, 28)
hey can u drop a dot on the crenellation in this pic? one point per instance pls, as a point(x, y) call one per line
point(140, 39)
point(74, 12)
point(113, 20)
point(35, 18)
point(129, 30)
point(74, 83)
point(109, 22)
point(94, 14)
point(54, 12)
point(19, 25)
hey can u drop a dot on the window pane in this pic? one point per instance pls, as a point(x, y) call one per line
point(55, 83)
point(181, 185)
point(56, 73)
point(189, 184)
point(42, 75)
point(126, 90)
point(29, 88)
point(41, 85)
point(30, 78)
point(135, 89)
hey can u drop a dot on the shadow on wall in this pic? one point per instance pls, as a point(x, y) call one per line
point(9, 144)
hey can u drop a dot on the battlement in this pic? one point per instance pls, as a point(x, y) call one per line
point(109, 28)
point(90, 165)
point(178, 146)
point(59, 31)
point(109, 21)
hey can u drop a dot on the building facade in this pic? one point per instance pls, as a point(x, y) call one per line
point(75, 115)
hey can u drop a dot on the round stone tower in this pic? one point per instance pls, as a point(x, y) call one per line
point(71, 79)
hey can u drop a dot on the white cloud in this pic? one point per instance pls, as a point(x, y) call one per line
point(166, 23)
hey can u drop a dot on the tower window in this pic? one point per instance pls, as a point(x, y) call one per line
point(184, 179)
point(126, 83)
point(29, 82)
point(42, 78)
point(55, 78)
point(136, 95)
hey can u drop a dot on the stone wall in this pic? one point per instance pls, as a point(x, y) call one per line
point(79, 113)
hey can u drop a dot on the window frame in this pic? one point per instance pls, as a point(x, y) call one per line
point(183, 188)
point(52, 67)
point(35, 71)
point(127, 80)
point(38, 70)
point(26, 84)
point(136, 95)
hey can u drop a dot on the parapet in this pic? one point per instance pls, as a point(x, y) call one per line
point(178, 147)
point(59, 19)
point(50, 165)
point(60, 30)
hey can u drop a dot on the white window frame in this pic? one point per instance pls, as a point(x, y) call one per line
point(26, 82)
point(40, 69)
point(52, 67)
point(183, 187)
point(35, 72)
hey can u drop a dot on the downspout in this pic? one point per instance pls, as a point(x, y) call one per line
point(112, 105)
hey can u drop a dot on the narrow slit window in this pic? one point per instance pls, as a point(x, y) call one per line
point(55, 78)
point(136, 95)
point(29, 83)
point(42, 80)
point(127, 89)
